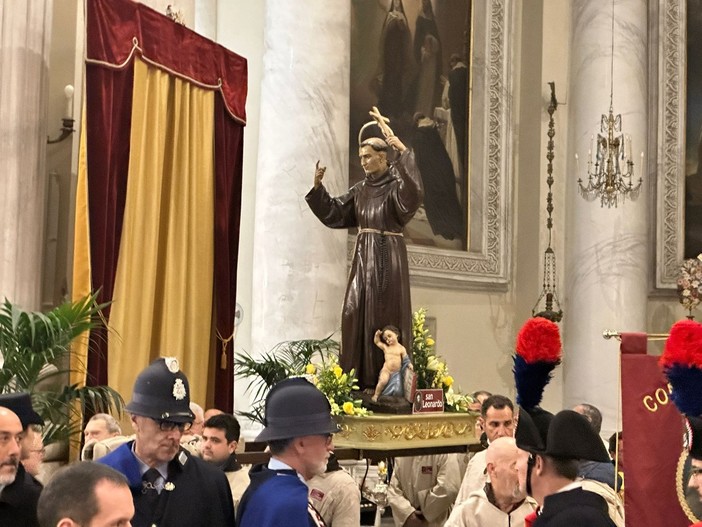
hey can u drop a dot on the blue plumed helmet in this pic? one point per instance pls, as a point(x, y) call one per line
point(681, 362)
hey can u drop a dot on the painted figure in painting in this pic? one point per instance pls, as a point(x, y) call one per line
point(378, 290)
point(396, 362)
point(395, 60)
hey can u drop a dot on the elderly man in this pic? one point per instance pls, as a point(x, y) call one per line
point(100, 427)
point(21, 404)
point(298, 430)
point(552, 473)
point(497, 420)
point(503, 501)
point(20, 491)
point(220, 437)
point(170, 487)
point(423, 488)
point(594, 470)
point(86, 494)
point(199, 421)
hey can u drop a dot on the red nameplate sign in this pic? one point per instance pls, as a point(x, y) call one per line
point(426, 401)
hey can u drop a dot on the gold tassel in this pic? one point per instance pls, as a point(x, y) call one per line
point(225, 343)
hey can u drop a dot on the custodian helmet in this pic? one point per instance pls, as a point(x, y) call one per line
point(161, 392)
point(296, 408)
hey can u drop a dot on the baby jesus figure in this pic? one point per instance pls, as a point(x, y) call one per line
point(396, 362)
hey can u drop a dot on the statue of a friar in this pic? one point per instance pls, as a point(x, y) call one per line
point(378, 290)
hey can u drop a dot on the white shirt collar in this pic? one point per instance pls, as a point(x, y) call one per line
point(276, 464)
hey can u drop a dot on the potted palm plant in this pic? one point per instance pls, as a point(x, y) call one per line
point(35, 349)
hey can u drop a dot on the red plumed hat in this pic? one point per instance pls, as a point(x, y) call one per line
point(538, 353)
point(539, 340)
point(682, 364)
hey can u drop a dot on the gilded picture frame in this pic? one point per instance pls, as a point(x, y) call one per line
point(484, 262)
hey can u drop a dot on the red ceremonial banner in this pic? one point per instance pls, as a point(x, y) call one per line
point(652, 438)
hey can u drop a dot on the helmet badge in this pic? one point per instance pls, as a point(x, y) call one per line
point(179, 390)
point(172, 364)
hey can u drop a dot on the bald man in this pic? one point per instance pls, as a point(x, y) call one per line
point(502, 501)
point(19, 491)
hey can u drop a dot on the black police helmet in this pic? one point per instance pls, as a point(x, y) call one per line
point(296, 408)
point(161, 392)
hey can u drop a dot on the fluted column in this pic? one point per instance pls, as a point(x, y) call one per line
point(606, 253)
point(25, 37)
point(299, 265)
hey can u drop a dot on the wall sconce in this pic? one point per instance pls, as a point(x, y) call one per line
point(67, 125)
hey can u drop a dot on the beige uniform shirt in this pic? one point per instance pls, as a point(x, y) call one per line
point(427, 484)
point(615, 505)
point(477, 511)
point(337, 498)
point(238, 482)
point(474, 478)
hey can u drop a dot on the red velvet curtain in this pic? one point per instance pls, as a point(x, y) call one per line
point(116, 31)
point(229, 147)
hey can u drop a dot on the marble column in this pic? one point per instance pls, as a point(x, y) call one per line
point(606, 269)
point(25, 37)
point(299, 266)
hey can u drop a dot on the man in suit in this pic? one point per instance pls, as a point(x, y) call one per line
point(19, 490)
point(169, 486)
point(299, 429)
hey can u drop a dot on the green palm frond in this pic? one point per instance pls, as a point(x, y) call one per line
point(285, 360)
point(36, 349)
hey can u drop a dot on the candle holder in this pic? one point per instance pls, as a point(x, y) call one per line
point(66, 131)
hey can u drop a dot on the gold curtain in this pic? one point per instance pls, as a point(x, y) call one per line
point(162, 301)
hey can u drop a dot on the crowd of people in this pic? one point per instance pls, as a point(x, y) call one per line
point(180, 467)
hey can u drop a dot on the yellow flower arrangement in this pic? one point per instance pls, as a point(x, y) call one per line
point(431, 370)
point(337, 386)
point(310, 369)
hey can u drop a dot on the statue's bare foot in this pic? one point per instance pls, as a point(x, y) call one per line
point(374, 398)
point(369, 391)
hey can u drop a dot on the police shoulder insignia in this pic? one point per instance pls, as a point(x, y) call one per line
point(172, 364)
point(182, 458)
point(179, 390)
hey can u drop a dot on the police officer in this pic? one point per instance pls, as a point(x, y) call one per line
point(298, 430)
point(169, 486)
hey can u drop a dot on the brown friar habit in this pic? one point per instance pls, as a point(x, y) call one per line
point(378, 291)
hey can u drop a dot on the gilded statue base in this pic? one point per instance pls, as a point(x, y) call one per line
point(397, 432)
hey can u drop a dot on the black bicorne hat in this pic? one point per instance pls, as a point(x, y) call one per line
point(570, 436)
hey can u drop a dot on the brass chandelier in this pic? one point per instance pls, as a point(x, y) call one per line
point(611, 172)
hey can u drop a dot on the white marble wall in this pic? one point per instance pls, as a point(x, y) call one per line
point(606, 251)
point(299, 266)
point(25, 37)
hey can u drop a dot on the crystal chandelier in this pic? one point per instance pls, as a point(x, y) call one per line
point(611, 173)
point(551, 307)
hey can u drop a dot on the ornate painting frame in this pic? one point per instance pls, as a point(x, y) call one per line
point(668, 100)
point(486, 264)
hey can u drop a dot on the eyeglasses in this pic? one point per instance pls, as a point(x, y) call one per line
point(169, 426)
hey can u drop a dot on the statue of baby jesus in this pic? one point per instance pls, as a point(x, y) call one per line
point(396, 362)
